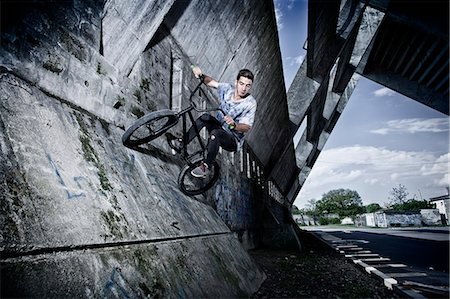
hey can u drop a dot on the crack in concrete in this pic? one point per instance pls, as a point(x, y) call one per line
point(10, 254)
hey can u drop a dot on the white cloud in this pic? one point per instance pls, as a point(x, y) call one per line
point(444, 182)
point(297, 60)
point(371, 181)
point(291, 4)
point(394, 176)
point(278, 14)
point(440, 166)
point(373, 171)
point(280, 8)
point(382, 92)
point(382, 131)
point(415, 125)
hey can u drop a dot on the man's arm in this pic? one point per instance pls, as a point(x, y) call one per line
point(246, 120)
point(243, 128)
point(209, 81)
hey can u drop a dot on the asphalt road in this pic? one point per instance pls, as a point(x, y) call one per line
point(405, 246)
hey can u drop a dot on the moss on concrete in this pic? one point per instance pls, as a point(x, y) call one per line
point(73, 45)
point(145, 259)
point(137, 93)
point(112, 221)
point(100, 69)
point(90, 155)
point(224, 268)
point(145, 84)
point(137, 111)
point(53, 65)
point(104, 182)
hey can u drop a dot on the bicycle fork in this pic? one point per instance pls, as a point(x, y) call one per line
point(185, 136)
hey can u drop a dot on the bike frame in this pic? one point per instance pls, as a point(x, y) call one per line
point(188, 111)
point(156, 123)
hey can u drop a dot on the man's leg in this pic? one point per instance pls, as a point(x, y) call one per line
point(219, 137)
point(205, 120)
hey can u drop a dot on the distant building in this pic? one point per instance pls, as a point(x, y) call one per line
point(442, 203)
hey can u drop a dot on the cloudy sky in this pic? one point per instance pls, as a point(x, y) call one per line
point(382, 139)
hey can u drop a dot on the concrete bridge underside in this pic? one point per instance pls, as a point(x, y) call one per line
point(83, 216)
point(399, 44)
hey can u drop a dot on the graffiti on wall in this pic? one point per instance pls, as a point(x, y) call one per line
point(77, 179)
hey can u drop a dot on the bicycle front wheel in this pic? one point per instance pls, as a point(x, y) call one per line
point(191, 185)
point(149, 127)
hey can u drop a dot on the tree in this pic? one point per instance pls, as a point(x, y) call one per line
point(411, 205)
point(295, 210)
point(343, 202)
point(310, 207)
point(373, 207)
point(398, 195)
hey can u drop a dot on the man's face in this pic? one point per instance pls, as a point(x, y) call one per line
point(243, 86)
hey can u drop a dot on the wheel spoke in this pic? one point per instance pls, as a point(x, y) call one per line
point(191, 185)
point(149, 127)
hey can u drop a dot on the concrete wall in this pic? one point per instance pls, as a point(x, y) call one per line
point(304, 219)
point(234, 39)
point(83, 216)
point(382, 219)
point(260, 177)
point(431, 217)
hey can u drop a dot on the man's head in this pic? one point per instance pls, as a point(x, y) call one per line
point(244, 81)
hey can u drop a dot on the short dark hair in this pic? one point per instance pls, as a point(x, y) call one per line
point(245, 73)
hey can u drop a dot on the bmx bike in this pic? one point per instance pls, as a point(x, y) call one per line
point(155, 124)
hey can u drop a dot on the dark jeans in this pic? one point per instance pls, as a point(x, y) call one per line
point(217, 136)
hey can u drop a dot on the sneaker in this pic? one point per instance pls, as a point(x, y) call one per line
point(175, 143)
point(200, 171)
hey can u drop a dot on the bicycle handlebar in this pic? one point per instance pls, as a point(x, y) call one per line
point(193, 106)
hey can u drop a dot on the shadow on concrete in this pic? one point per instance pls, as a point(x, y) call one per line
point(169, 22)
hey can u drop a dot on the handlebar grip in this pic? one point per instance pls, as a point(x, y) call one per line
point(201, 77)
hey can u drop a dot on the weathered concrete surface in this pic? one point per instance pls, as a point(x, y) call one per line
point(431, 217)
point(234, 38)
point(238, 39)
point(69, 186)
point(130, 25)
point(77, 206)
point(170, 269)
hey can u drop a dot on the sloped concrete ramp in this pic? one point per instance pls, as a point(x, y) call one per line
point(82, 216)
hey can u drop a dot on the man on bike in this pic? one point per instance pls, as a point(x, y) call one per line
point(226, 131)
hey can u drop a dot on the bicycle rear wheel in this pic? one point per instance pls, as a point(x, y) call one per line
point(149, 127)
point(191, 185)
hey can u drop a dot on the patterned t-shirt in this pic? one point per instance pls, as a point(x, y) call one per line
point(242, 111)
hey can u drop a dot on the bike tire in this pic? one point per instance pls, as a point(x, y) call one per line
point(190, 185)
point(149, 127)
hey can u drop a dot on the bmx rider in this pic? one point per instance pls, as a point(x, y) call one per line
point(224, 131)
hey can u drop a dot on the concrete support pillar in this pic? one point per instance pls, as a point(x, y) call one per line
point(323, 98)
point(300, 95)
point(127, 28)
point(370, 23)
